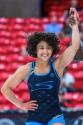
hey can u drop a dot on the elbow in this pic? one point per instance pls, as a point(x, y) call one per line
point(76, 47)
point(4, 90)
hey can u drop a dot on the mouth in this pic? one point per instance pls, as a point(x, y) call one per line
point(45, 55)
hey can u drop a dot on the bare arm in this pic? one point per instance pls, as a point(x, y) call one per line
point(71, 51)
point(11, 83)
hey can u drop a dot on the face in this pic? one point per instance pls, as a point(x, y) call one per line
point(73, 3)
point(44, 51)
point(53, 19)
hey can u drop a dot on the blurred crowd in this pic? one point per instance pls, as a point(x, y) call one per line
point(64, 33)
point(52, 21)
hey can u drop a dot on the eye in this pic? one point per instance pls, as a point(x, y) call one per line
point(41, 47)
point(49, 47)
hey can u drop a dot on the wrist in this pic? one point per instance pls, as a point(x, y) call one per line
point(75, 27)
point(19, 105)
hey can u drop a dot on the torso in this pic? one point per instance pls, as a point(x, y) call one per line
point(44, 88)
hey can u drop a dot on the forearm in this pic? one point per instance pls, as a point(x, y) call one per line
point(75, 37)
point(10, 95)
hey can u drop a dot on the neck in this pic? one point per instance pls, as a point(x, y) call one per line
point(40, 63)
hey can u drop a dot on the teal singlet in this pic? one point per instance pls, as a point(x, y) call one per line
point(44, 88)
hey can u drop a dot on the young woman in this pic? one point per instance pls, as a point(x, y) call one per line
point(43, 76)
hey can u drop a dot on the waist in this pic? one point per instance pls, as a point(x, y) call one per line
point(40, 117)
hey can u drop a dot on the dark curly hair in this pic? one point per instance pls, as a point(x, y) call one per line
point(50, 38)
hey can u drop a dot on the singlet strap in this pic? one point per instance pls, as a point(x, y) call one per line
point(53, 68)
point(31, 69)
point(32, 66)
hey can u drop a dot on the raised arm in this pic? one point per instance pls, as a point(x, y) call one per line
point(71, 51)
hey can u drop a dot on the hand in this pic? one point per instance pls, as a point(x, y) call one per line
point(73, 18)
point(30, 105)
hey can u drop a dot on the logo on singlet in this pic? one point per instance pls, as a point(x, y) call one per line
point(43, 85)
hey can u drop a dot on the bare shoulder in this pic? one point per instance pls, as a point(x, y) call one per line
point(19, 75)
point(24, 69)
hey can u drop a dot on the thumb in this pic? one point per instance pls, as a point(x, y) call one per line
point(73, 12)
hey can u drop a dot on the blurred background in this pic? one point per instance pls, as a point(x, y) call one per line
point(20, 18)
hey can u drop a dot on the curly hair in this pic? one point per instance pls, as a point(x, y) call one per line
point(50, 38)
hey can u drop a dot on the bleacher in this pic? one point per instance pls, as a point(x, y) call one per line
point(13, 33)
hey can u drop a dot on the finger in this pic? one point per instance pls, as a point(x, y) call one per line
point(31, 106)
point(32, 101)
point(74, 12)
point(34, 107)
point(72, 18)
point(72, 21)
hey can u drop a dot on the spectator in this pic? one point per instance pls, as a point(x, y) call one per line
point(74, 3)
point(67, 85)
point(81, 44)
point(66, 29)
point(81, 34)
point(53, 26)
point(68, 81)
point(79, 55)
point(62, 92)
point(81, 30)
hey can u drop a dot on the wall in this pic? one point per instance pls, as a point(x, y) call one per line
point(19, 8)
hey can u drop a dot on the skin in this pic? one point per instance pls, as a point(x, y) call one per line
point(44, 52)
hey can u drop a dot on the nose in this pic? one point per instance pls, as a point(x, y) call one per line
point(45, 50)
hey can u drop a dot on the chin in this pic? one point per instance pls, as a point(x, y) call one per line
point(46, 59)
